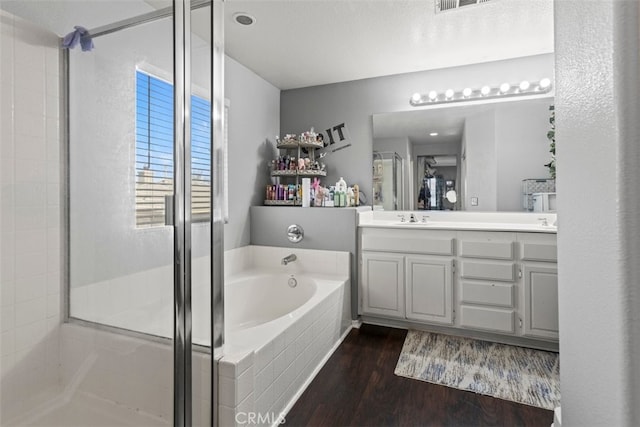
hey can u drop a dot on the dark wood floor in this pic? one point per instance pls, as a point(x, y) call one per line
point(357, 387)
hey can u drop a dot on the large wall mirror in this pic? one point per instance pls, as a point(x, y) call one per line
point(483, 152)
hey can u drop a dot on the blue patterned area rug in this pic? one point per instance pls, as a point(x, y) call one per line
point(507, 372)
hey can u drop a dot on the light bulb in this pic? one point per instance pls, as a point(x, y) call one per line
point(485, 90)
point(448, 93)
point(416, 97)
point(504, 87)
point(545, 83)
point(433, 134)
point(433, 95)
point(466, 92)
point(524, 85)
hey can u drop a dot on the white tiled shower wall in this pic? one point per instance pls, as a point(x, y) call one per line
point(30, 204)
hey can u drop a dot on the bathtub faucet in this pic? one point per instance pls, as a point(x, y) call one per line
point(289, 258)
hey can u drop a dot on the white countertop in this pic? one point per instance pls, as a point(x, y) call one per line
point(456, 220)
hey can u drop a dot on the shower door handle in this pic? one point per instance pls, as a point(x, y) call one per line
point(168, 210)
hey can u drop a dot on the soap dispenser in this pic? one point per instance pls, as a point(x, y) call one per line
point(341, 185)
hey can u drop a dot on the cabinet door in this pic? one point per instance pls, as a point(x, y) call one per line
point(429, 289)
point(383, 284)
point(540, 301)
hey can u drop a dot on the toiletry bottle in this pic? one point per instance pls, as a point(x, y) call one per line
point(351, 197)
point(341, 187)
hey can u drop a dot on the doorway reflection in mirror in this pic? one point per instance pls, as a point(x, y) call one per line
point(388, 172)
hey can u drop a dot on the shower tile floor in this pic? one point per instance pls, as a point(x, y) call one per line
point(85, 410)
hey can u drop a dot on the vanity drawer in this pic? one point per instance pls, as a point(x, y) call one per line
point(486, 249)
point(487, 270)
point(538, 247)
point(409, 241)
point(488, 319)
point(487, 293)
point(539, 252)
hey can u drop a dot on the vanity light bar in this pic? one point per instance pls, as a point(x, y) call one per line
point(486, 92)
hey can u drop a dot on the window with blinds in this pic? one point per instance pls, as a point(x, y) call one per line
point(154, 152)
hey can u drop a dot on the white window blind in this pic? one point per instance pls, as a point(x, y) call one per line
point(154, 151)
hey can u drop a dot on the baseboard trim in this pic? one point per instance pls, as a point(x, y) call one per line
point(461, 332)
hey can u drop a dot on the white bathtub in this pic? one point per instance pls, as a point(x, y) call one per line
point(255, 298)
point(277, 336)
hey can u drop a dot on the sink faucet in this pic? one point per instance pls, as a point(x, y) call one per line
point(412, 218)
point(289, 258)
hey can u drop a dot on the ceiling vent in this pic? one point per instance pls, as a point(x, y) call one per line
point(446, 5)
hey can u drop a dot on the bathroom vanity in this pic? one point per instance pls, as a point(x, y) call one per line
point(487, 275)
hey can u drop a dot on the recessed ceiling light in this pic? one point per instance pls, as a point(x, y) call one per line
point(244, 18)
point(433, 134)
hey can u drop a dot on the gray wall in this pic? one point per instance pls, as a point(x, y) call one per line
point(522, 149)
point(354, 102)
point(597, 127)
point(324, 228)
point(481, 172)
point(254, 121)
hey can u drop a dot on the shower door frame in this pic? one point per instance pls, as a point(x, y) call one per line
point(182, 339)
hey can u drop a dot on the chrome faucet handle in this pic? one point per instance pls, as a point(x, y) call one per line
point(402, 219)
point(424, 218)
point(295, 233)
point(544, 221)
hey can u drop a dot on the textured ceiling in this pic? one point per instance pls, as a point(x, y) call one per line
point(299, 43)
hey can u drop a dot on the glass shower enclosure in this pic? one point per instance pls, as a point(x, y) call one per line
point(388, 181)
point(144, 124)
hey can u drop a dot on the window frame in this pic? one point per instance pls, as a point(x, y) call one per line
point(197, 91)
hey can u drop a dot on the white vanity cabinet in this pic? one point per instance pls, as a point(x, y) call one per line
point(538, 255)
point(429, 289)
point(487, 281)
point(407, 274)
point(383, 275)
